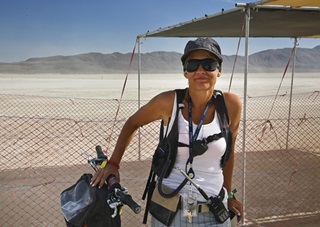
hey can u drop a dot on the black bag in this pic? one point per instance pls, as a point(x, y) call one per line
point(83, 204)
point(164, 209)
point(162, 158)
point(162, 214)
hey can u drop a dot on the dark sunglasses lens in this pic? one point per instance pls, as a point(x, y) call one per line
point(207, 64)
point(192, 65)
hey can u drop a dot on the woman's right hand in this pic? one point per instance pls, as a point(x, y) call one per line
point(102, 174)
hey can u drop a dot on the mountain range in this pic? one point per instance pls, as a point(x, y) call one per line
point(272, 60)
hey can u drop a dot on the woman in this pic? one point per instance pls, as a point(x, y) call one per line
point(202, 66)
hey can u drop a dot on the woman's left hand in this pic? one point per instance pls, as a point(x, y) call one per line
point(236, 207)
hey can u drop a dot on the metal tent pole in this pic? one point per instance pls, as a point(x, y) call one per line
point(245, 109)
point(291, 90)
point(139, 100)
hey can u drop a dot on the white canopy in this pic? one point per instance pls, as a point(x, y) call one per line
point(265, 21)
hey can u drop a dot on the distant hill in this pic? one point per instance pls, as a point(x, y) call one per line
point(161, 62)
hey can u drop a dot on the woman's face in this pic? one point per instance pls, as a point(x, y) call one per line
point(201, 79)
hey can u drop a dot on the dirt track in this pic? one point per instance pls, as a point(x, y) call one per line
point(24, 194)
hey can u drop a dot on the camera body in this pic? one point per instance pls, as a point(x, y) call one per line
point(199, 147)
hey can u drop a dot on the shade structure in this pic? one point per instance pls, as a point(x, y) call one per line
point(292, 3)
point(265, 21)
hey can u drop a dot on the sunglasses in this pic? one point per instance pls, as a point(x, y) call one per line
point(207, 64)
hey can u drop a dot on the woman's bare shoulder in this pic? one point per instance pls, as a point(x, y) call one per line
point(232, 100)
point(164, 98)
point(163, 102)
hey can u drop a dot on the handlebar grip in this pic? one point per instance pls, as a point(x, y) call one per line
point(127, 199)
point(100, 154)
point(113, 182)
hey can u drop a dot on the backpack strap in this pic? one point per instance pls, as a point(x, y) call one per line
point(174, 138)
point(172, 125)
point(224, 121)
point(148, 191)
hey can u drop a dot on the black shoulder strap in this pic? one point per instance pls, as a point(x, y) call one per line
point(180, 96)
point(151, 182)
point(173, 137)
point(224, 121)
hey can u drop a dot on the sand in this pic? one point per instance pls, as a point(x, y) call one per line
point(48, 120)
point(109, 86)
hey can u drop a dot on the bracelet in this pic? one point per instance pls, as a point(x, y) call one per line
point(231, 194)
point(113, 164)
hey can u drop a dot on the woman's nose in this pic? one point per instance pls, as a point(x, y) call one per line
point(200, 68)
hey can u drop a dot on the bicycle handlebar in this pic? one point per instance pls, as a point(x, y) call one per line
point(127, 199)
point(100, 154)
point(115, 186)
point(120, 194)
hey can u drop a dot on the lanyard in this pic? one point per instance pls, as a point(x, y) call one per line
point(193, 137)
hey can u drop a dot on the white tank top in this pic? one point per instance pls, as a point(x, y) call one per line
point(208, 173)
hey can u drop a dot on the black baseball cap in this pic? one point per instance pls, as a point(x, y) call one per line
point(207, 44)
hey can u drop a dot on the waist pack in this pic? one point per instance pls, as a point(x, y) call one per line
point(83, 204)
point(164, 209)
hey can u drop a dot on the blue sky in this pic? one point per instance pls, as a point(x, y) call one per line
point(41, 28)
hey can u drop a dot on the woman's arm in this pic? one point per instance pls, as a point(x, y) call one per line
point(160, 107)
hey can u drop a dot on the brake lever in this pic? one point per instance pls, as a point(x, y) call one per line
point(91, 161)
point(114, 205)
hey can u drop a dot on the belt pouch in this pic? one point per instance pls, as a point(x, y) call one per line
point(217, 207)
point(164, 209)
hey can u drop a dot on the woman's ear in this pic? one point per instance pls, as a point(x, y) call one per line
point(220, 72)
point(185, 74)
